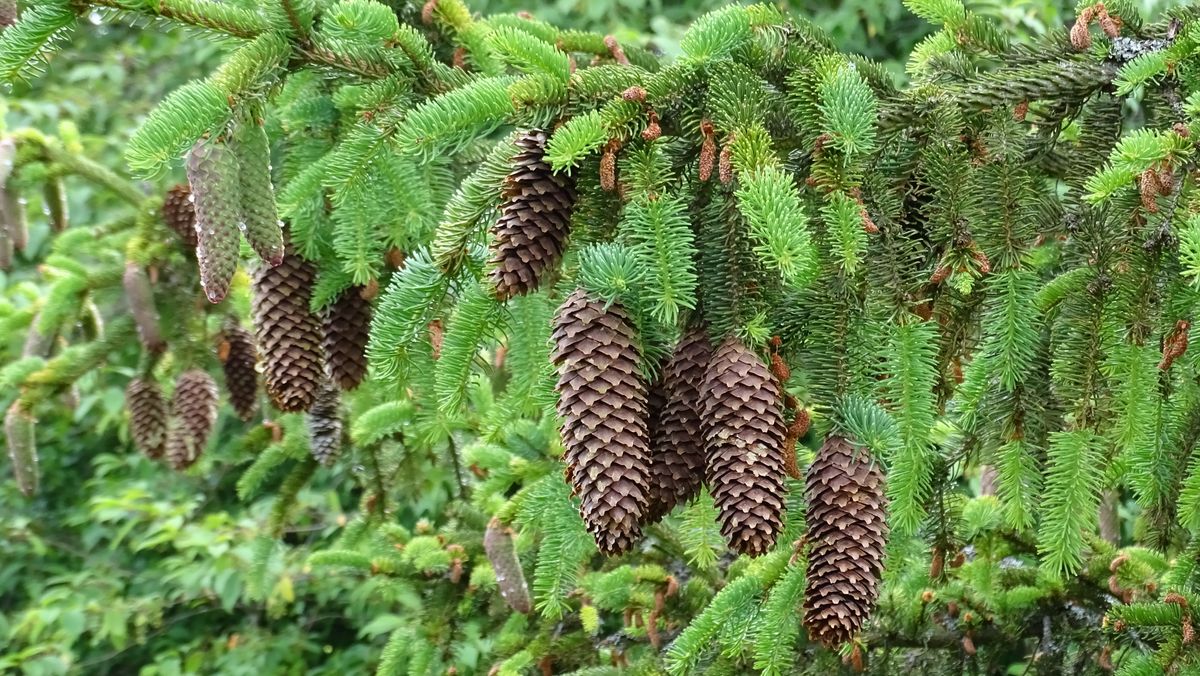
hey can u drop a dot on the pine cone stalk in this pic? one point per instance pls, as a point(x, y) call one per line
point(743, 436)
point(847, 534)
point(602, 402)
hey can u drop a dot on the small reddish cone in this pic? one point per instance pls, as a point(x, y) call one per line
point(287, 333)
point(238, 360)
point(193, 414)
point(743, 435)
point(531, 233)
point(676, 445)
point(147, 416)
point(498, 544)
point(346, 324)
point(847, 533)
point(179, 214)
point(602, 402)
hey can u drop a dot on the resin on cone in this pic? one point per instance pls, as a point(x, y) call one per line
point(147, 417)
point(847, 533)
point(288, 334)
point(743, 438)
point(345, 326)
point(212, 171)
point(602, 403)
point(676, 444)
point(535, 220)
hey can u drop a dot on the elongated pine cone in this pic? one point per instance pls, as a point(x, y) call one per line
point(288, 334)
point(20, 437)
point(325, 424)
point(498, 544)
point(141, 305)
point(345, 326)
point(182, 449)
point(147, 417)
point(179, 214)
point(194, 403)
point(847, 533)
point(535, 220)
point(602, 402)
point(238, 360)
point(676, 444)
point(212, 171)
point(743, 438)
point(260, 221)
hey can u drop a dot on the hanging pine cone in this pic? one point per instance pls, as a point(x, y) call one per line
point(498, 544)
point(287, 333)
point(182, 449)
point(677, 447)
point(743, 437)
point(54, 195)
point(179, 214)
point(147, 416)
point(532, 230)
point(847, 533)
point(141, 305)
point(345, 325)
point(238, 359)
point(20, 438)
point(260, 221)
point(212, 170)
point(194, 403)
point(603, 407)
point(325, 424)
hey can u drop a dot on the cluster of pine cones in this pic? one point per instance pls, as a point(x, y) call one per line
point(307, 358)
point(635, 450)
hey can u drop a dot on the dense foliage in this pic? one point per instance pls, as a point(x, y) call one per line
point(849, 365)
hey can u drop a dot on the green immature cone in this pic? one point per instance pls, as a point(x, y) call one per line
point(14, 215)
point(179, 214)
point(676, 444)
point(288, 334)
point(238, 360)
point(194, 404)
point(55, 195)
point(510, 579)
point(325, 425)
point(140, 297)
point(847, 535)
point(535, 220)
point(260, 220)
point(212, 170)
point(147, 417)
point(743, 435)
point(602, 403)
point(22, 448)
point(345, 325)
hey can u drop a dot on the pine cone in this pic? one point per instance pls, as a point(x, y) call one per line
point(677, 446)
point(743, 438)
point(498, 544)
point(147, 416)
point(603, 406)
point(182, 449)
point(22, 448)
point(212, 170)
point(141, 306)
point(8, 13)
point(260, 221)
point(287, 333)
point(179, 214)
point(532, 230)
point(346, 324)
point(847, 533)
point(238, 360)
point(194, 403)
point(325, 424)
point(54, 194)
